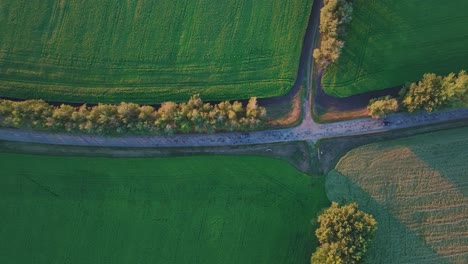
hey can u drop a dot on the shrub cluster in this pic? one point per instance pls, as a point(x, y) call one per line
point(194, 116)
point(334, 15)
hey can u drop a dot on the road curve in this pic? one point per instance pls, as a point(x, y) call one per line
point(307, 130)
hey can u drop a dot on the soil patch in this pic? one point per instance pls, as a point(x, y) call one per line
point(286, 112)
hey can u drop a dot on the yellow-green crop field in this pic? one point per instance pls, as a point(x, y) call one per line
point(199, 209)
point(392, 42)
point(149, 51)
point(417, 189)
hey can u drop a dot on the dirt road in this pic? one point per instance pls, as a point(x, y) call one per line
point(308, 130)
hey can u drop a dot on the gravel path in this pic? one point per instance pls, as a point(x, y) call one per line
point(307, 130)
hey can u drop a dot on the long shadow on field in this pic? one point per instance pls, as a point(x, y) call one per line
point(449, 158)
point(393, 241)
point(333, 149)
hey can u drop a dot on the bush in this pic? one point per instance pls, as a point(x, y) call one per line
point(128, 118)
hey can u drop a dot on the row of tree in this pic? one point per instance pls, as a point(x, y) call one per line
point(432, 93)
point(334, 15)
point(344, 235)
point(194, 116)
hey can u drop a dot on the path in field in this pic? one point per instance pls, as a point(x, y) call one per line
point(307, 130)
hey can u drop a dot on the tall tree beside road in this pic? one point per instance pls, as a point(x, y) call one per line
point(380, 107)
point(344, 235)
point(334, 15)
point(434, 92)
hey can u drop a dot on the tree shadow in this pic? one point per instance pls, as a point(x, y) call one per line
point(394, 242)
point(448, 156)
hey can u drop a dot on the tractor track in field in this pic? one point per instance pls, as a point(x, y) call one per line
point(307, 130)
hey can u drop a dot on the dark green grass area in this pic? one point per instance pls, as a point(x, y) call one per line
point(149, 51)
point(393, 42)
point(201, 209)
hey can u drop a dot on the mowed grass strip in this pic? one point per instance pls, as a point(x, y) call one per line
point(149, 51)
point(202, 209)
point(417, 190)
point(393, 42)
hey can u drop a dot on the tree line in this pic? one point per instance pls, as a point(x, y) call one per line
point(334, 16)
point(193, 116)
point(432, 93)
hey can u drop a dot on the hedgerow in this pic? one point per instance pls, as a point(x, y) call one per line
point(194, 116)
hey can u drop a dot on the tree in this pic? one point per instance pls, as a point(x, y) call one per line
point(62, 118)
point(455, 89)
point(6, 112)
point(80, 118)
point(104, 119)
point(193, 116)
point(434, 92)
point(237, 107)
point(167, 111)
point(146, 118)
point(252, 108)
point(344, 235)
point(31, 113)
point(334, 15)
point(195, 101)
point(380, 107)
point(128, 114)
point(425, 94)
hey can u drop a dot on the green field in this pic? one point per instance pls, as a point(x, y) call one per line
point(393, 42)
point(205, 209)
point(149, 51)
point(417, 189)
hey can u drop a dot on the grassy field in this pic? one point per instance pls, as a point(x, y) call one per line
point(393, 42)
point(417, 189)
point(149, 51)
point(201, 209)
